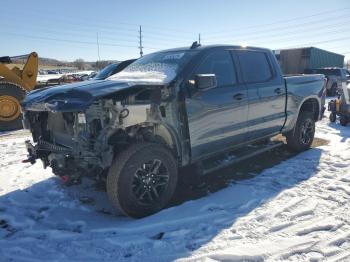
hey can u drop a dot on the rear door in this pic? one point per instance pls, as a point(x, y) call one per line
point(266, 93)
point(217, 117)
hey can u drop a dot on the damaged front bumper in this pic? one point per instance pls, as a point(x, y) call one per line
point(41, 149)
point(32, 153)
point(63, 160)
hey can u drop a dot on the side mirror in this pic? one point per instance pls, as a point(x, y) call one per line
point(205, 81)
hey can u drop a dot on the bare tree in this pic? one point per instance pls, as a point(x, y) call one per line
point(79, 63)
point(101, 64)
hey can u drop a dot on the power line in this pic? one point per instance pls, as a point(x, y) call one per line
point(121, 24)
point(160, 36)
point(105, 22)
point(282, 34)
point(316, 43)
point(124, 37)
point(284, 20)
point(130, 46)
point(279, 29)
point(103, 27)
point(289, 36)
point(64, 40)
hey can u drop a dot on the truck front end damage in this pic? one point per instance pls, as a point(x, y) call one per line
point(84, 142)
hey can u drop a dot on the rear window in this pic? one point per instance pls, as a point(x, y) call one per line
point(329, 72)
point(310, 71)
point(255, 66)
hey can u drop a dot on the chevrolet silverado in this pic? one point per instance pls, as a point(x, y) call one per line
point(168, 110)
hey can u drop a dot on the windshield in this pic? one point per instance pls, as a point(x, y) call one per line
point(160, 67)
point(106, 72)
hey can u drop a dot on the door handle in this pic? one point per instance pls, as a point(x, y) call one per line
point(238, 96)
point(278, 90)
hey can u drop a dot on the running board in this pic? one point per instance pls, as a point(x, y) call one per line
point(216, 163)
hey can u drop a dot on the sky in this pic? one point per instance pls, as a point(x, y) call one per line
point(67, 29)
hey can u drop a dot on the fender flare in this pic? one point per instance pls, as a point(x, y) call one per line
point(302, 102)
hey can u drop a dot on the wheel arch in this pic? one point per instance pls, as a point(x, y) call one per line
point(170, 138)
point(155, 132)
point(311, 104)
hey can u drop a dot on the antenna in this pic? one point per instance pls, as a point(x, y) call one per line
point(140, 41)
point(199, 38)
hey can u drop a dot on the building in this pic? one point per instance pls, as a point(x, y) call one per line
point(295, 61)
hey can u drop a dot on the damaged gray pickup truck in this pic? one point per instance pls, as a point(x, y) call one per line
point(168, 110)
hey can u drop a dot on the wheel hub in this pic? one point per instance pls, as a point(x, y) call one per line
point(306, 132)
point(150, 181)
point(9, 108)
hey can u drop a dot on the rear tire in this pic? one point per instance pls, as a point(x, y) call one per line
point(302, 136)
point(11, 96)
point(142, 179)
point(332, 117)
point(343, 121)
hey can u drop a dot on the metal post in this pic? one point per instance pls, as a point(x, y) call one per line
point(140, 41)
point(98, 47)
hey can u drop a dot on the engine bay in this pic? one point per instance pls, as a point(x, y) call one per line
point(85, 142)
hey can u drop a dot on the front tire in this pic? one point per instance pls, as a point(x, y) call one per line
point(302, 136)
point(142, 179)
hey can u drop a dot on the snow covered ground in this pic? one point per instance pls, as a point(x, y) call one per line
point(298, 210)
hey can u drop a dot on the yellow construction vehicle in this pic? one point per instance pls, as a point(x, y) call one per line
point(14, 84)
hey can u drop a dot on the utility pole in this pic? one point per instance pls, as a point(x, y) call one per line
point(140, 41)
point(98, 47)
point(199, 38)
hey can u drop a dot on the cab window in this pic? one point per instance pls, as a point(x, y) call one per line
point(219, 63)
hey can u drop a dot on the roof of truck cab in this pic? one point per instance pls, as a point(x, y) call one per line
point(206, 47)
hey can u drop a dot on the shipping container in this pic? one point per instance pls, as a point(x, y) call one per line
point(295, 61)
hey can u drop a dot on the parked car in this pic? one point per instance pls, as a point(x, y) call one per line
point(52, 72)
point(84, 77)
point(63, 80)
point(92, 75)
point(112, 69)
point(335, 78)
point(168, 110)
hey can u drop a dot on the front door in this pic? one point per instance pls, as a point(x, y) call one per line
point(217, 117)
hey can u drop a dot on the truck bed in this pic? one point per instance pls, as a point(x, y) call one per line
point(298, 81)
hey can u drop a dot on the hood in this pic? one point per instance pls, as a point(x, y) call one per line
point(73, 97)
